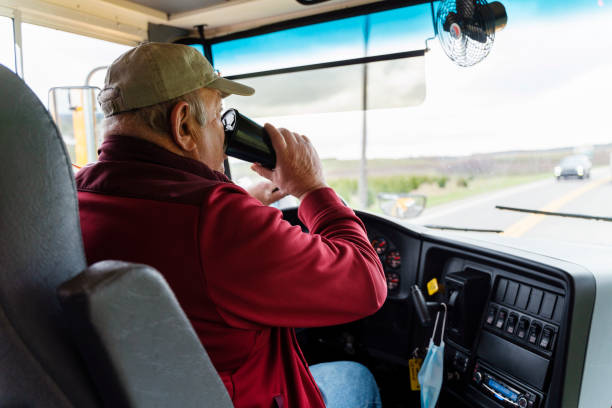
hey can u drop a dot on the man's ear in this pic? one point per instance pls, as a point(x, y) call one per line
point(180, 128)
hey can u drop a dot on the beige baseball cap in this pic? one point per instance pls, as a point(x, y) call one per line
point(157, 72)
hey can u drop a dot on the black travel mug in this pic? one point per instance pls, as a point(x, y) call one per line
point(246, 140)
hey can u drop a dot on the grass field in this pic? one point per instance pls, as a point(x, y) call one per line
point(441, 180)
point(455, 188)
point(481, 185)
point(438, 187)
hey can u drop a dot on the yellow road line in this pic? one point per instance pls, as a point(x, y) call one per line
point(528, 222)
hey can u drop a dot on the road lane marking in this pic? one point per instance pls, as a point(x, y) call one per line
point(526, 223)
point(455, 206)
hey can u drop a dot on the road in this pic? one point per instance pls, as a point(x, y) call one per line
point(590, 197)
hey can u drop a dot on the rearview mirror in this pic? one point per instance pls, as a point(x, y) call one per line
point(402, 206)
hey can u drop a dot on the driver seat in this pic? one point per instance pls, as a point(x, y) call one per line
point(115, 335)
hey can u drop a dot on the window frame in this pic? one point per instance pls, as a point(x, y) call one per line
point(15, 16)
point(318, 18)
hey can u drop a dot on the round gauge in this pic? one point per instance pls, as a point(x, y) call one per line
point(393, 281)
point(394, 260)
point(380, 245)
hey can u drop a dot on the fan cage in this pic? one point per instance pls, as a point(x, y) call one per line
point(464, 50)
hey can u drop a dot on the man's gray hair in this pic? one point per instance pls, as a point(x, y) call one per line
point(157, 117)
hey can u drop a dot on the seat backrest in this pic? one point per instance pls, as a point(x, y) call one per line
point(40, 247)
point(138, 345)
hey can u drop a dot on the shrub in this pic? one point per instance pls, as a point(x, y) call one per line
point(396, 184)
point(346, 187)
point(442, 181)
point(401, 184)
point(462, 182)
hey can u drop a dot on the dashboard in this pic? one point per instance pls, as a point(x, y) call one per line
point(508, 341)
point(391, 260)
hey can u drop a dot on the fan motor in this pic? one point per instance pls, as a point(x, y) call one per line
point(466, 28)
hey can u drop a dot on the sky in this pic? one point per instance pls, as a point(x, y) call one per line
point(546, 82)
point(54, 58)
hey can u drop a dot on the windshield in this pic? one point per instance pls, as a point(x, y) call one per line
point(467, 138)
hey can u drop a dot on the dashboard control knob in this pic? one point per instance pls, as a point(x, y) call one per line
point(478, 377)
point(522, 402)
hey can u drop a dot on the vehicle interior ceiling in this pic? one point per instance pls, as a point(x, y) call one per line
point(222, 17)
point(518, 315)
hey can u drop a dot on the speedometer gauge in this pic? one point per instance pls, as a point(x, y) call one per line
point(380, 245)
point(394, 259)
point(393, 281)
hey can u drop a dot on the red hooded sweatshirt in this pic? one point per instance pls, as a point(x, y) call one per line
point(243, 275)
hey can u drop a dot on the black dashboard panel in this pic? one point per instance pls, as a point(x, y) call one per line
point(507, 330)
point(516, 355)
point(506, 314)
point(388, 334)
point(400, 244)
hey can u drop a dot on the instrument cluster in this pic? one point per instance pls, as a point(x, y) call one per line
point(391, 260)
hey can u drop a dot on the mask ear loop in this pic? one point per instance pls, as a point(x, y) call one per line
point(433, 335)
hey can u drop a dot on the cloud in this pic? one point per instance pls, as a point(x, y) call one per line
point(56, 58)
point(545, 84)
point(390, 84)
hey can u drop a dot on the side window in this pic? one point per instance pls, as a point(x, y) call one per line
point(7, 44)
point(55, 62)
point(53, 58)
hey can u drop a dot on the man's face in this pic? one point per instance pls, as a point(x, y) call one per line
point(211, 136)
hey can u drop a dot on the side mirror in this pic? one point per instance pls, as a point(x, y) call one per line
point(402, 206)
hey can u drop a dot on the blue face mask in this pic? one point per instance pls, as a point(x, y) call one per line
point(432, 371)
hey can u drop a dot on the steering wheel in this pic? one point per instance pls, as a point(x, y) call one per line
point(290, 214)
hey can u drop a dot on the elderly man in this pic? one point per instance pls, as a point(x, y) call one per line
point(243, 275)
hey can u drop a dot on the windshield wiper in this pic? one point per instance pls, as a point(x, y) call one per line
point(558, 214)
point(446, 227)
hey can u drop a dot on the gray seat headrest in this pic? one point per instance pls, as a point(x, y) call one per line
point(40, 247)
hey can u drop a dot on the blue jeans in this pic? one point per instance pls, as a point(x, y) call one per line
point(346, 384)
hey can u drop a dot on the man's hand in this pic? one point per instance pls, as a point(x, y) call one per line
point(266, 192)
point(298, 168)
